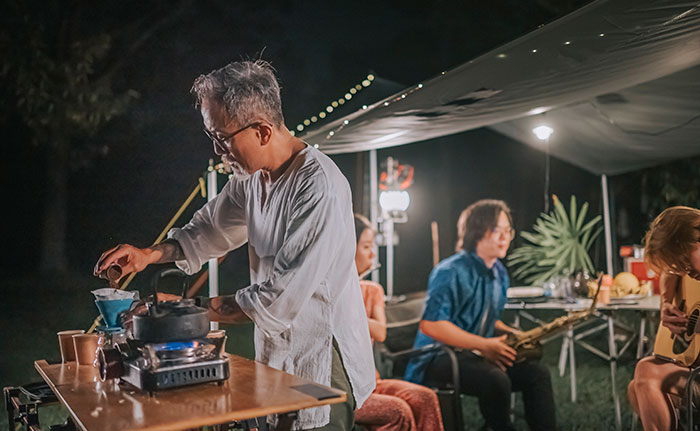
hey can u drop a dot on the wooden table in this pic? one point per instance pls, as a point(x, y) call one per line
point(253, 390)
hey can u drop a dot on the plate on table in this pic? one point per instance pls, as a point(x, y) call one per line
point(526, 294)
point(627, 298)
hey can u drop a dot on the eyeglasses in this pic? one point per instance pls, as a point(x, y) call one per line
point(508, 233)
point(221, 141)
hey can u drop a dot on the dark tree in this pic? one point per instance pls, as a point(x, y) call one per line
point(61, 67)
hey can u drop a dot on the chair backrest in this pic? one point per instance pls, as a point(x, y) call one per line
point(402, 320)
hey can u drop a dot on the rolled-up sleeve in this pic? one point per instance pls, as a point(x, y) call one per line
point(215, 229)
point(302, 263)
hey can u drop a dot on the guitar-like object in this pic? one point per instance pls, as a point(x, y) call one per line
point(683, 349)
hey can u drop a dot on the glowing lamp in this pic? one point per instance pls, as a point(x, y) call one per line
point(394, 200)
point(543, 132)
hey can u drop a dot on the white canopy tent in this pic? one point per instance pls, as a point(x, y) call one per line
point(618, 80)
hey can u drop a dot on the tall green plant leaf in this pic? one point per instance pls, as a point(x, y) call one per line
point(558, 244)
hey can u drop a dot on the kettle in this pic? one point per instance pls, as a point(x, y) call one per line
point(170, 321)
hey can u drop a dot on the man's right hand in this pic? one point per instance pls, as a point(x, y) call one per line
point(497, 351)
point(673, 318)
point(128, 257)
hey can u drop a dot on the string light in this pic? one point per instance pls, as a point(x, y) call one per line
point(336, 103)
point(386, 103)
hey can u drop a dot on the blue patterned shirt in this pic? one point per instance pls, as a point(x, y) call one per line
point(463, 291)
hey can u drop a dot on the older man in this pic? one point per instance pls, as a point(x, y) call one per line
point(293, 207)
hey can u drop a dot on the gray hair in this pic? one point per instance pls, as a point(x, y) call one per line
point(248, 90)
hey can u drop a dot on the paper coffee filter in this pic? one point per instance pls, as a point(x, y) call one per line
point(109, 294)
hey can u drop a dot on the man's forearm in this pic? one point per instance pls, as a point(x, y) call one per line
point(166, 252)
point(448, 333)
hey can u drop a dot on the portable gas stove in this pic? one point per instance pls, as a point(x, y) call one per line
point(156, 366)
point(168, 348)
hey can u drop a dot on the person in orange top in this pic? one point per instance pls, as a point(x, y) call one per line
point(395, 405)
point(672, 249)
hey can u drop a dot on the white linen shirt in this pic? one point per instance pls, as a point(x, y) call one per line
point(305, 290)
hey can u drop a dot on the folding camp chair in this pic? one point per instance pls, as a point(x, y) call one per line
point(403, 317)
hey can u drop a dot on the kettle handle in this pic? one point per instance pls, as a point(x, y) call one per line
point(170, 272)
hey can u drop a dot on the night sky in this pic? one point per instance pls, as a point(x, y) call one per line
point(153, 154)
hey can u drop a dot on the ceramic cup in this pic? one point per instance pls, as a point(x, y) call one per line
point(65, 343)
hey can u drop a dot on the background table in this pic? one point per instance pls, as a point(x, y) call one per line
point(605, 319)
point(253, 390)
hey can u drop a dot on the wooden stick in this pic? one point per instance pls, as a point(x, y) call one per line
point(436, 243)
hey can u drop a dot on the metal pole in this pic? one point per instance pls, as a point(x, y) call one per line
point(606, 222)
point(546, 177)
point(212, 191)
point(373, 203)
point(389, 239)
point(612, 350)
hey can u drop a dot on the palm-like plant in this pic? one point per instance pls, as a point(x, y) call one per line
point(559, 244)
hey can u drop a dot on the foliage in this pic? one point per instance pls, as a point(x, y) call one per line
point(672, 184)
point(59, 97)
point(559, 244)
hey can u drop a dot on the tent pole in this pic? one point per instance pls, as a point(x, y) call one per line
point(606, 222)
point(212, 191)
point(373, 203)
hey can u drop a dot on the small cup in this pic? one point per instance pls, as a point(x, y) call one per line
point(218, 337)
point(65, 343)
point(85, 348)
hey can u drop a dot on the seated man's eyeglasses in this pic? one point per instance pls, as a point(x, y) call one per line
point(508, 233)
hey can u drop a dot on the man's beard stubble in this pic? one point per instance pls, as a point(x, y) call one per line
point(234, 168)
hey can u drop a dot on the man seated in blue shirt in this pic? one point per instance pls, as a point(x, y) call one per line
point(466, 296)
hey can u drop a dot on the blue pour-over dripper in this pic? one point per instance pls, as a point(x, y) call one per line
point(110, 309)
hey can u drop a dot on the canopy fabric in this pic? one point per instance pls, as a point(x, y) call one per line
point(618, 81)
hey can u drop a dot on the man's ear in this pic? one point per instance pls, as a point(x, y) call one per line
point(265, 130)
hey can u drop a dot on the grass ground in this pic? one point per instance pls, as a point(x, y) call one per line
point(33, 310)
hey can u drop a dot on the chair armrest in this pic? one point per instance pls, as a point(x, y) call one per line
point(409, 353)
